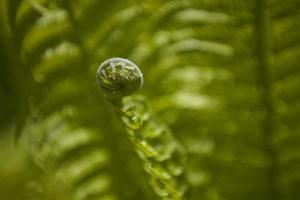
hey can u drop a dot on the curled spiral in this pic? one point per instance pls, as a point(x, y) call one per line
point(119, 77)
point(163, 158)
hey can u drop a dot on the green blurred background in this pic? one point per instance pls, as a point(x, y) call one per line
point(224, 75)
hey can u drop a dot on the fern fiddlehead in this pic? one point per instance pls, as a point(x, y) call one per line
point(162, 156)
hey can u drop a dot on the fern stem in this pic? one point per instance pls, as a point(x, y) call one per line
point(264, 56)
point(162, 156)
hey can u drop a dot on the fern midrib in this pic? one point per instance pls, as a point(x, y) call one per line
point(263, 25)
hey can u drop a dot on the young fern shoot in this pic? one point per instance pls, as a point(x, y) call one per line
point(163, 158)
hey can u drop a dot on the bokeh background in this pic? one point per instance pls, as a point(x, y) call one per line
point(224, 75)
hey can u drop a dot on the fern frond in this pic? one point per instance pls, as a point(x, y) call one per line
point(162, 157)
point(48, 30)
point(77, 157)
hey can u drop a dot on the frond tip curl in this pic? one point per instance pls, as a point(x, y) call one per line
point(119, 77)
point(163, 158)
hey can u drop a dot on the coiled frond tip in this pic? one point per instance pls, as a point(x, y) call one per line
point(119, 77)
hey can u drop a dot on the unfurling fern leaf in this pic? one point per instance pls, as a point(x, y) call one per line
point(163, 158)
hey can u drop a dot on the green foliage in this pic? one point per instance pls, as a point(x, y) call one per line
point(223, 77)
